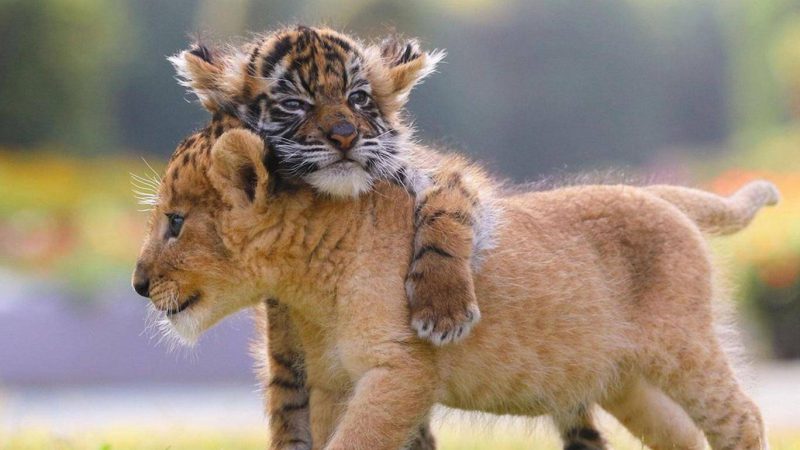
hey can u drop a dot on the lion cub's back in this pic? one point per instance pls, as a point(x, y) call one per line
point(555, 294)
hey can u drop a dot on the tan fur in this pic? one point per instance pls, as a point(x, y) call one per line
point(720, 215)
point(654, 418)
point(588, 292)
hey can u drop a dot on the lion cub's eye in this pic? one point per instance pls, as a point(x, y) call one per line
point(175, 225)
point(358, 98)
point(294, 104)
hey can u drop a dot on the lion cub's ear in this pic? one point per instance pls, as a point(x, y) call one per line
point(237, 168)
point(201, 69)
point(407, 63)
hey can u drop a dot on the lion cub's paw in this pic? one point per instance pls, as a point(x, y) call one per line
point(442, 315)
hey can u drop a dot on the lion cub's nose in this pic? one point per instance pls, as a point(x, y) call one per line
point(343, 135)
point(141, 282)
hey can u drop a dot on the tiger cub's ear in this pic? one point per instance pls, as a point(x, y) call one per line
point(407, 63)
point(237, 168)
point(201, 70)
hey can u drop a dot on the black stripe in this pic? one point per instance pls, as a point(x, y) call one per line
point(305, 83)
point(340, 42)
point(281, 48)
point(345, 77)
point(291, 365)
point(251, 65)
point(402, 178)
point(358, 83)
point(459, 216)
point(285, 85)
point(576, 446)
point(290, 407)
point(436, 215)
point(407, 54)
point(431, 249)
point(287, 384)
point(421, 205)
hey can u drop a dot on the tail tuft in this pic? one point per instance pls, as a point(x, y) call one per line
point(757, 194)
point(771, 192)
point(720, 215)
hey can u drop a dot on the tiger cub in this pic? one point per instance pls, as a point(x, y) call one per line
point(333, 119)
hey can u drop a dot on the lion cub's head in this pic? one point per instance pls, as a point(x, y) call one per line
point(190, 264)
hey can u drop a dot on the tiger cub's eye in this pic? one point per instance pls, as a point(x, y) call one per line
point(358, 98)
point(294, 104)
point(175, 225)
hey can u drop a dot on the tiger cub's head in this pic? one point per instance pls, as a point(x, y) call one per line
point(328, 106)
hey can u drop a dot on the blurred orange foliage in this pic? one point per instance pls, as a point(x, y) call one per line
point(69, 217)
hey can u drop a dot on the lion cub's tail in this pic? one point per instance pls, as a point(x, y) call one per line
point(715, 214)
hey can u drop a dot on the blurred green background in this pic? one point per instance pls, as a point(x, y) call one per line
point(701, 92)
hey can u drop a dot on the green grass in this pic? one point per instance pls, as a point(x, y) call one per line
point(450, 438)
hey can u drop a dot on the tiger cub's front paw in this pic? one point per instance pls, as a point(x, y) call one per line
point(442, 312)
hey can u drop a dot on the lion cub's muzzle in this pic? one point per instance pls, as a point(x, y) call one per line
point(163, 294)
point(175, 308)
point(141, 281)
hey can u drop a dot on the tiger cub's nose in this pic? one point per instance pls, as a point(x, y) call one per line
point(343, 135)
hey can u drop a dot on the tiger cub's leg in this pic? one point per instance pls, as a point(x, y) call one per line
point(439, 283)
point(580, 432)
point(286, 392)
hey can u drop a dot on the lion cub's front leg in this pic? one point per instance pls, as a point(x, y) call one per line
point(295, 411)
point(439, 285)
point(387, 409)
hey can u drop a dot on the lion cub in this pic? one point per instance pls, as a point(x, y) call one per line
point(592, 294)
